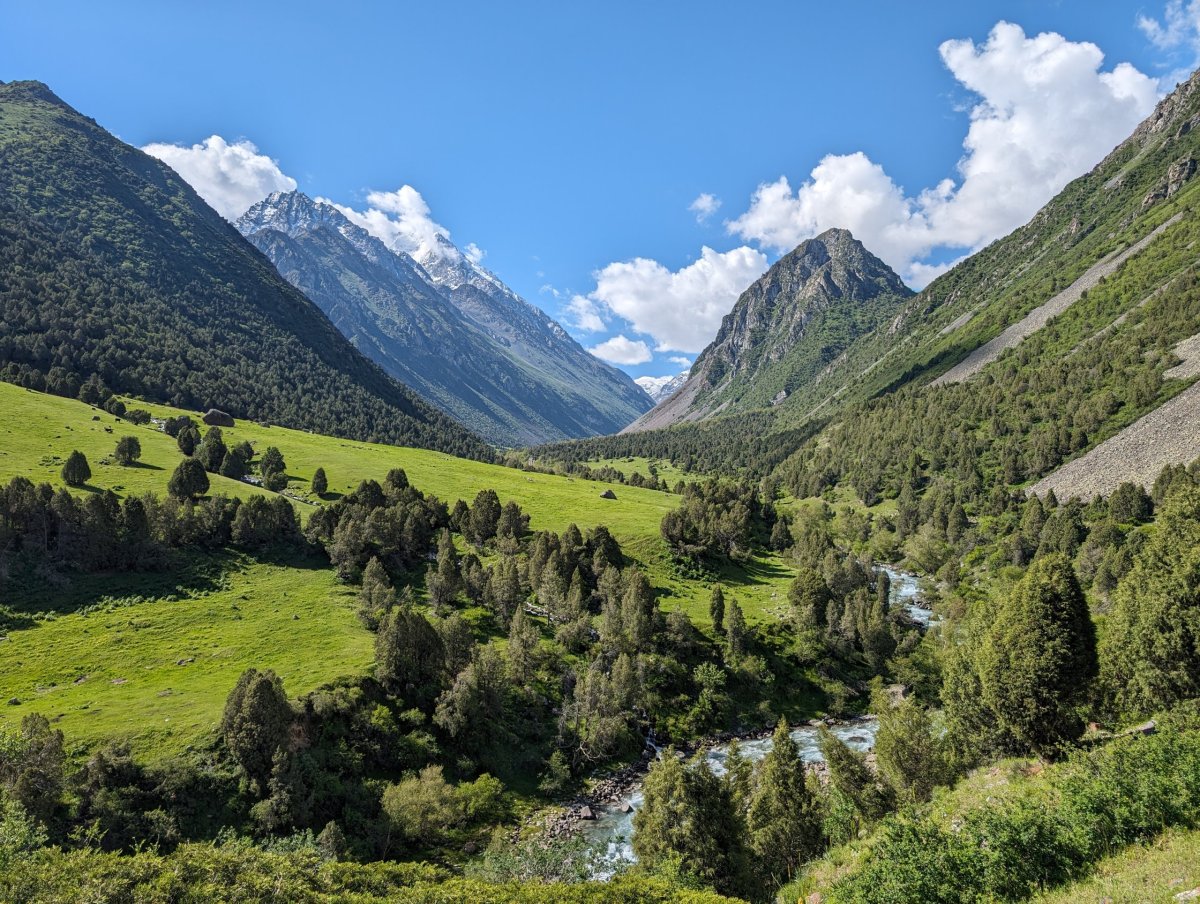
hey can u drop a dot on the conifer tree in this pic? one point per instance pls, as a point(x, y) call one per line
point(189, 480)
point(256, 722)
point(1151, 650)
point(735, 632)
point(783, 818)
point(1039, 658)
point(320, 486)
point(410, 660)
point(716, 609)
point(76, 472)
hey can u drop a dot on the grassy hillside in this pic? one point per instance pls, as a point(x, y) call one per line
point(100, 655)
point(151, 658)
point(1154, 873)
point(38, 431)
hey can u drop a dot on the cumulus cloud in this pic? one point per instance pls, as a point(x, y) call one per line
point(230, 177)
point(583, 313)
point(622, 350)
point(706, 205)
point(403, 221)
point(680, 360)
point(1046, 113)
point(681, 309)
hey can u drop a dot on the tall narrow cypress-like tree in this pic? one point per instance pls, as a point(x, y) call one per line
point(716, 609)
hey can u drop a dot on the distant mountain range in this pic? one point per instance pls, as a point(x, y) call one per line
point(114, 267)
point(659, 388)
point(1063, 356)
point(445, 327)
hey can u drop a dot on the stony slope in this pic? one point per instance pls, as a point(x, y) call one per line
point(113, 266)
point(390, 308)
point(606, 398)
point(784, 329)
point(1044, 313)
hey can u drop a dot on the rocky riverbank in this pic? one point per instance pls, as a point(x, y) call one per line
point(610, 791)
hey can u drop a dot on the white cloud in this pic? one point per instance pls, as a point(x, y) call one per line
point(403, 221)
point(1046, 113)
point(706, 205)
point(1180, 25)
point(583, 313)
point(681, 309)
point(622, 350)
point(680, 360)
point(230, 177)
point(1179, 31)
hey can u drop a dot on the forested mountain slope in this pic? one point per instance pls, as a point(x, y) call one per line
point(112, 266)
point(393, 312)
point(1051, 340)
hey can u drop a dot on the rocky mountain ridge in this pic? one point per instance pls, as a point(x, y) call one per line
point(787, 326)
point(403, 315)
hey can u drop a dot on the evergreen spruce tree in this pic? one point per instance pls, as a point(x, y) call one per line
point(320, 486)
point(1151, 649)
point(211, 451)
point(376, 596)
point(256, 722)
point(1038, 660)
point(189, 480)
point(688, 820)
point(716, 609)
point(783, 818)
point(76, 472)
point(735, 632)
point(410, 660)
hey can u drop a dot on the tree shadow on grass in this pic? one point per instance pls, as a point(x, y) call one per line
point(753, 573)
point(31, 590)
point(144, 466)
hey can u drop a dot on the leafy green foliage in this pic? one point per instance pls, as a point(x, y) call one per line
point(1006, 849)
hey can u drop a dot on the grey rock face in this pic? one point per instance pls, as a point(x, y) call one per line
point(452, 332)
point(786, 328)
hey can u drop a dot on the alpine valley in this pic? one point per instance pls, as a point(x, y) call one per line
point(331, 572)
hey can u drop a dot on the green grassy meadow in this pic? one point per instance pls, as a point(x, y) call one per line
point(1154, 873)
point(98, 654)
point(153, 664)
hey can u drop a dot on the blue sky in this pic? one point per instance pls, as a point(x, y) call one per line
point(570, 142)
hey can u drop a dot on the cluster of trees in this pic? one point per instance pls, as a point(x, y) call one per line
point(101, 532)
point(718, 520)
point(752, 444)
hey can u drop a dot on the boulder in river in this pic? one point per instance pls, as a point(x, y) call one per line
point(586, 813)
